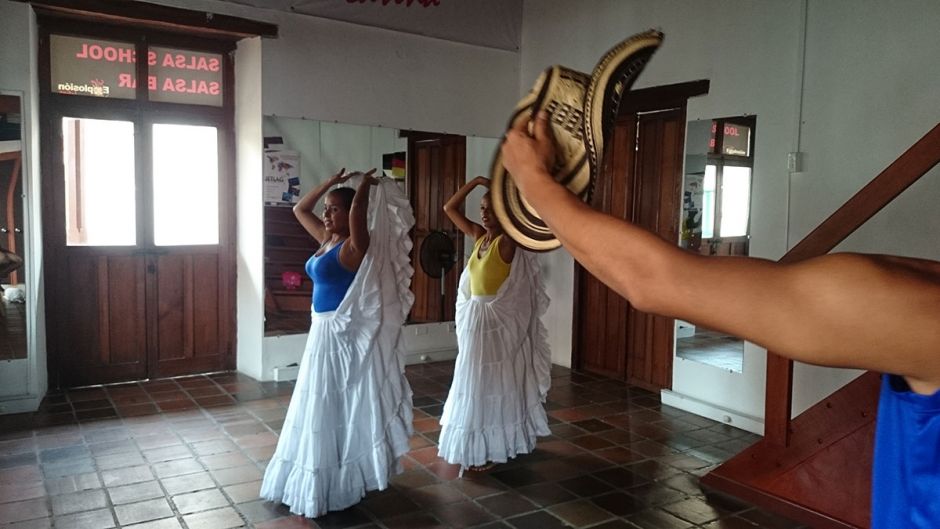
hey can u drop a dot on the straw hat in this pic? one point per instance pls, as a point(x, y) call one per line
point(582, 110)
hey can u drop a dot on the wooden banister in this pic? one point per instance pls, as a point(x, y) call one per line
point(907, 169)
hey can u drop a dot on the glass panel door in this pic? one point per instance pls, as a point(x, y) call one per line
point(100, 190)
point(185, 185)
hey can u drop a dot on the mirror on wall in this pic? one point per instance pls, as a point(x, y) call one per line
point(12, 244)
point(302, 153)
point(715, 219)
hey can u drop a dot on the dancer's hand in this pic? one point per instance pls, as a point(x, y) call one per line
point(340, 177)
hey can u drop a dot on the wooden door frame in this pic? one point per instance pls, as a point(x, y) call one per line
point(636, 101)
point(140, 111)
point(444, 224)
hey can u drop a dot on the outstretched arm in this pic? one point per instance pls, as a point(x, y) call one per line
point(303, 209)
point(355, 250)
point(454, 208)
point(843, 310)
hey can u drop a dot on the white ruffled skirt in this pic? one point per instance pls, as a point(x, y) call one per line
point(494, 410)
point(350, 416)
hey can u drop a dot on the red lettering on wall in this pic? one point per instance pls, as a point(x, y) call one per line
point(152, 83)
point(96, 52)
point(191, 86)
point(126, 80)
point(190, 62)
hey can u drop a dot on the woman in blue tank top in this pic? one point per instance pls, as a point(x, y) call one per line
point(874, 312)
point(343, 236)
point(349, 418)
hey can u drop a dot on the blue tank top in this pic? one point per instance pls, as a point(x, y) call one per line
point(906, 469)
point(330, 279)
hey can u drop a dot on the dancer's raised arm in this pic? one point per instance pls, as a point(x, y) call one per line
point(304, 208)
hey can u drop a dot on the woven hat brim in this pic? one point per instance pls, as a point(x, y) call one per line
point(559, 91)
point(611, 79)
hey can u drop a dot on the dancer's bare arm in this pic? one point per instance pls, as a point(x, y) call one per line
point(352, 253)
point(846, 310)
point(454, 208)
point(304, 207)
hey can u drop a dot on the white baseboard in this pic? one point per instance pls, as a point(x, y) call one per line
point(24, 404)
point(285, 373)
point(430, 355)
point(710, 411)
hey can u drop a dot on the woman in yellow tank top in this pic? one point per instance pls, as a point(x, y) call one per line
point(494, 410)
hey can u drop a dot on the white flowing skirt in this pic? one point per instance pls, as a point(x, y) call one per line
point(494, 410)
point(350, 416)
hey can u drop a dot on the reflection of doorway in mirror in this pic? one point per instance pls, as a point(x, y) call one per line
point(709, 347)
point(12, 271)
point(715, 219)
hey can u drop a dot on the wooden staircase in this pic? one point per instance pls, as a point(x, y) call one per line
point(287, 246)
point(816, 468)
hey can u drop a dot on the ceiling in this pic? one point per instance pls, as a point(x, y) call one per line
point(489, 23)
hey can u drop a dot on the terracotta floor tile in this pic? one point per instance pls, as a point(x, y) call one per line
point(464, 514)
point(100, 519)
point(24, 510)
point(147, 490)
point(580, 513)
point(507, 504)
point(79, 501)
point(143, 511)
point(190, 452)
point(218, 519)
point(243, 492)
point(204, 500)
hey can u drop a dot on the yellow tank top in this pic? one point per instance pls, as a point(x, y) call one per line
point(488, 272)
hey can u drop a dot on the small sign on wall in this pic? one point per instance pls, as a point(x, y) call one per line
point(281, 177)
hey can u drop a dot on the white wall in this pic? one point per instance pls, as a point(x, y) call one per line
point(250, 227)
point(337, 71)
point(334, 71)
point(18, 76)
point(869, 94)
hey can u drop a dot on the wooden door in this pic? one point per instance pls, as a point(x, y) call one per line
point(642, 184)
point(148, 298)
point(436, 170)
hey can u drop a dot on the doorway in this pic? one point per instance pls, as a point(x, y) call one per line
point(641, 183)
point(138, 190)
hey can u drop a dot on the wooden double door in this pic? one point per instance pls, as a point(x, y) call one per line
point(138, 241)
point(641, 183)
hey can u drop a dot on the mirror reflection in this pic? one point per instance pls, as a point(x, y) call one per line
point(715, 219)
point(302, 153)
point(12, 272)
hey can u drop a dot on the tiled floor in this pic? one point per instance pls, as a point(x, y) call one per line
point(190, 452)
point(712, 348)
